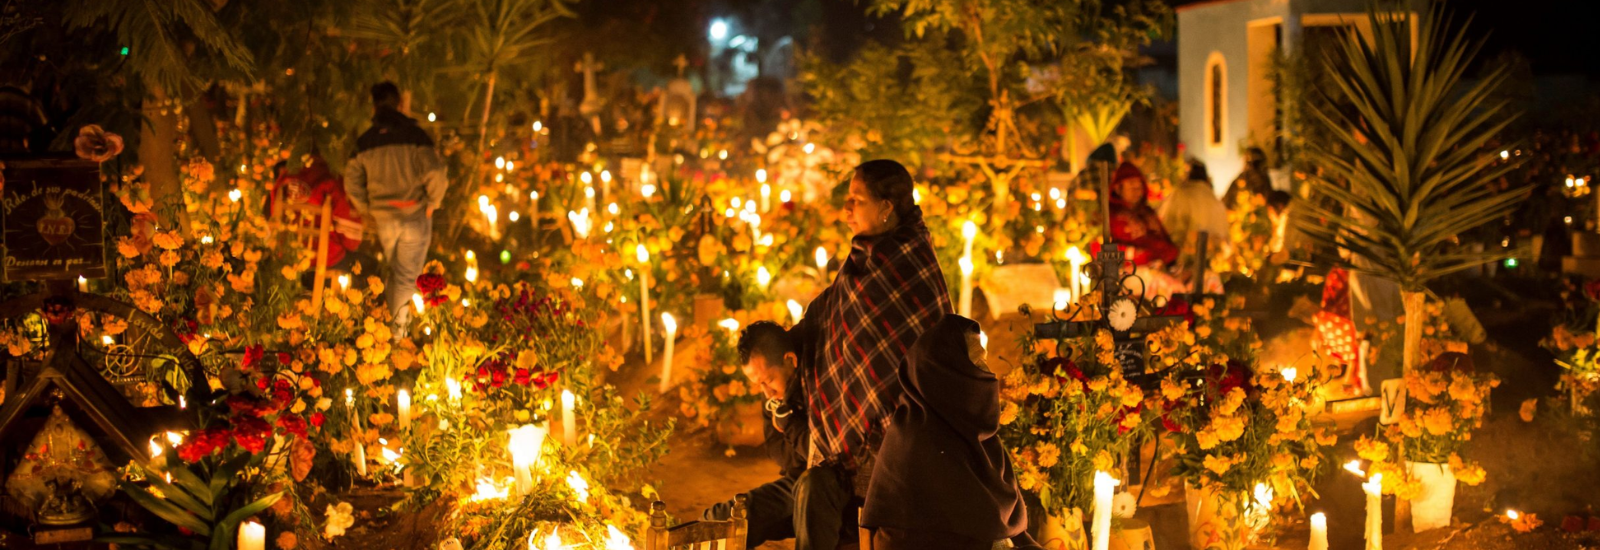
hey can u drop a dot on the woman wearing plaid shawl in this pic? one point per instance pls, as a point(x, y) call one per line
point(888, 291)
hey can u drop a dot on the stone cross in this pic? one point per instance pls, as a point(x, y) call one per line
point(681, 62)
point(590, 108)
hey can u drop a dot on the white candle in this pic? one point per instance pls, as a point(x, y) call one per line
point(359, 455)
point(1075, 259)
point(403, 400)
point(569, 421)
point(534, 217)
point(763, 277)
point(588, 197)
point(969, 230)
point(766, 198)
point(644, 298)
point(605, 184)
point(83, 284)
point(1319, 532)
point(671, 326)
point(1104, 488)
point(252, 536)
point(965, 305)
point(1374, 490)
point(795, 311)
point(525, 443)
point(822, 263)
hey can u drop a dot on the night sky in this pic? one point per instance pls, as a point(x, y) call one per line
point(1557, 36)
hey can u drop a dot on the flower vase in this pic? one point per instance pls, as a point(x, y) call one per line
point(1430, 509)
point(740, 425)
point(1215, 522)
point(1064, 531)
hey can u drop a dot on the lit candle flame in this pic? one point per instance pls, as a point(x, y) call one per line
point(822, 258)
point(795, 311)
point(1354, 467)
point(668, 323)
point(731, 324)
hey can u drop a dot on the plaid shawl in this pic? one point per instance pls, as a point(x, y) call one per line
point(888, 291)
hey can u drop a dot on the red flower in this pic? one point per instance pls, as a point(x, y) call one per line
point(1170, 425)
point(1591, 290)
point(1178, 306)
point(1064, 369)
point(429, 283)
point(251, 434)
point(284, 359)
point(292, 423)
point(252, 355)
point(317, 418)
point(546, 380)
point(523, 377)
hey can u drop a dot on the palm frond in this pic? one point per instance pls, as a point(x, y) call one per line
point(156, 33)
point(1406, 164)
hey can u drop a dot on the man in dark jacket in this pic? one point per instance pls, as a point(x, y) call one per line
point(397, 177)
point(771, 361)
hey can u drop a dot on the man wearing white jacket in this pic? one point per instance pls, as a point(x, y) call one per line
point(398, 177)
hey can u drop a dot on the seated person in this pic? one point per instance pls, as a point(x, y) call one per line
point(943, 479)
point(771, 363)
point(1134, 224)
point(316, 184)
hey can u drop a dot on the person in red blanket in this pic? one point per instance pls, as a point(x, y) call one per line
point(1134, 225)
point(313, 185)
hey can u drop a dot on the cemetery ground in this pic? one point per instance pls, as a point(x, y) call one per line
point(1542, 466)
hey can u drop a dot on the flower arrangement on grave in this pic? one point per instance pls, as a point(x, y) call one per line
point(1240, 433)
point(1068, 412)
point(1445, 402)
point(1572, 341)
point(1250, 231)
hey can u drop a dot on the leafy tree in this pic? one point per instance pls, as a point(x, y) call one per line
point(1406, 161)
point(899, 102)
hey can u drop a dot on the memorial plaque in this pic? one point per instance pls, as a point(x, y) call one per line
point(1130, 355)
point(62, 536)
point(54, 219)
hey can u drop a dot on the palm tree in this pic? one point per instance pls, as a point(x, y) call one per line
point(1406, 160)
point(504, 33)
point(174, 48)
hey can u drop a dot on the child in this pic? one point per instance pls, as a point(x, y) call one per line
point(942, 479)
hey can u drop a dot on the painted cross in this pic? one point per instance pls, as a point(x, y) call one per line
point(1120, 315)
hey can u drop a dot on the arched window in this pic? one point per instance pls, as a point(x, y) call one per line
point(1216, 99)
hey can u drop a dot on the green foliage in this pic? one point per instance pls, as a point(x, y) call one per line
point(206, 498)
point(1407, 160)
point(901, 102)
point(158, 35)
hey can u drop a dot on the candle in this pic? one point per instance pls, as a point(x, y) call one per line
point(344, 283)
point(403, 399)
point(671, 326)
point(822, 262)
point(766, 198)
point(588, 196)
point(795, 311)
point(252, 536)
point(644, 298)
point(525, 443)
point(1374, 490)
point(569, 421)
point(1319, 532)
point(965, 305)
point(1075, 259)
point(605, 184)
point(359, 456)
point(83, 284)
point(969, 230)
point(534, 216)
point(1104, 487)
point(763, 277)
